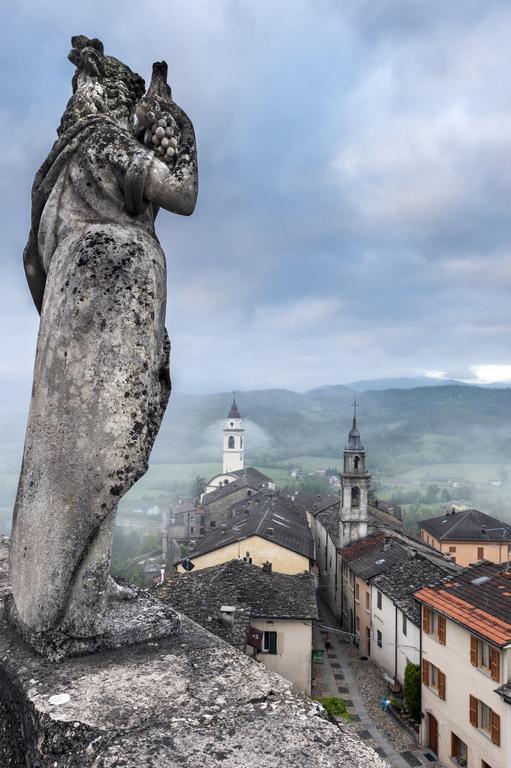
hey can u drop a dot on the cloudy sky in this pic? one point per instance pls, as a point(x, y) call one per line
point(354, 217)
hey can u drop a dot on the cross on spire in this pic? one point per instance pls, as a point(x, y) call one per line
point(355, 406)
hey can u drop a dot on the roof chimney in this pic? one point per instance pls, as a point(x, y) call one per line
point(267, 567)
point(386, 543)
point(412, 553)
point(270, 531)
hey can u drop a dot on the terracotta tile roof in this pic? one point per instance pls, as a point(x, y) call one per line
point(362, 547)
point(478, 598)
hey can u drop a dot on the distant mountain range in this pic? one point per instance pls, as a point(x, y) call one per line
point(402, 427)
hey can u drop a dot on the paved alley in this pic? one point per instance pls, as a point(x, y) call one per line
point(362, 686)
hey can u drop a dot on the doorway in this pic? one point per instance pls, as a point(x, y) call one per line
point(432, 733)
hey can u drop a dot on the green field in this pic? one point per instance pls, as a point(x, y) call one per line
point(468, 472)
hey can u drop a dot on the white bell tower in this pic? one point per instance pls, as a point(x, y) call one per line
point(355, 482)
point(234, 440)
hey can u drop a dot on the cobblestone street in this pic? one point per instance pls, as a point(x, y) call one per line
point(361, 685)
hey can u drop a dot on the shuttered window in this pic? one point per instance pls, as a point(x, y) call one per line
point(441, 630)
point(425, 619)
point(270, 642)
point(483, 717)
point(485, 657)
point(425, 672)
point(433, 678)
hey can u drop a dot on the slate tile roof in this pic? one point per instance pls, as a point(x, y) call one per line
point(467, 525)
point(404, 578)
point(268, 594)
point(266, 514)
point(250, 477)
point(379, 560)
point(478, 598)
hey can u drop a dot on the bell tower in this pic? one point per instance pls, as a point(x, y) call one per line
point(234, 440)
point(355, 482)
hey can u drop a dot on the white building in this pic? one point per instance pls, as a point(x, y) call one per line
point(466, 666)
point(395, 614)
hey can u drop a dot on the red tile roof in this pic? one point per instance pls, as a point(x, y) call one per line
point(362, 547)
point(477, 598)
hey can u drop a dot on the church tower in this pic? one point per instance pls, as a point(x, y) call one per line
point(355, 481)
point(234, 440)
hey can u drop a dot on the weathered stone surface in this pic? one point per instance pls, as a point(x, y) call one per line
point(97, 274)
point(188, 700)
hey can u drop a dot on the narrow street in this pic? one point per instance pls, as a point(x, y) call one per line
point(361, 685)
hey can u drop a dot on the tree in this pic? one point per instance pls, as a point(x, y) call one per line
point(197, 486)
point(412, 690)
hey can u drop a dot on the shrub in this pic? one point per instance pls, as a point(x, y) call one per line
point(412, 690)
point(334, 706)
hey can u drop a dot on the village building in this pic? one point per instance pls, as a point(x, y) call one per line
point(468, 536)
point(217, 504)
point(266, 527)
point(269, 615)
point(395, 614)
point(466, 665)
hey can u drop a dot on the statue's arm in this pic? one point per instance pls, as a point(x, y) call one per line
point(175, 188)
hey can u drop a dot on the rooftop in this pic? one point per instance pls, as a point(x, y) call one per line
point(265, 514)
point(362, 547)
point(478, 598)
point(468, 525)
point(273, 595)
point(250, 477)
point(234, 412)
point(379, 560)
point(404, 578)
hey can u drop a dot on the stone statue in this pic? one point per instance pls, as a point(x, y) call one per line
point(97, 275)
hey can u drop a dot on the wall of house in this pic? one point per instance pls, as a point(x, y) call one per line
point(328, 563)
point(466, 552)
point(453, 714)
point(293, 659)
point(383, 620)
point(363, 616)
point(261, 551)
point(220, 510)
point(408, 645)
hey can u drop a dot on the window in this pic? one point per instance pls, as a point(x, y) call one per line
point(452, 549)
point(433, 678)
point(357, 461)
point(405, 625)
point(379, 638)
point(485, 657)
point(433, 624)
point(485, 719)
point(355, 497)
point(367, 601)
point(269, 642)
point(230, 442)
point(357, 592)
point(357, 624)
point(480, 553)
point(379, 600)
point(458, 749)
point(212, 524)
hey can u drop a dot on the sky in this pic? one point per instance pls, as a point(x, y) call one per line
point(354, 213)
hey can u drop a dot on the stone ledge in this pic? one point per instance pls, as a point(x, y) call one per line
point(190, 700)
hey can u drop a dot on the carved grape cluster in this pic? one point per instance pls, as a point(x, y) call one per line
point(163, 137)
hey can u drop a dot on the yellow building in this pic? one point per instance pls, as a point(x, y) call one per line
point(468, 536)
point(265, 528)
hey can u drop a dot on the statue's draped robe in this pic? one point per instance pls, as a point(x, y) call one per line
point(101, 380)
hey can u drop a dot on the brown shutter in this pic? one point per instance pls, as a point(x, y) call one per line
point(473, 651)
point(495, 728)
point(473, 711)
point(425, 672)
point(425, 619)
point(495, 664)
point(441, 630)
point(441, 685)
